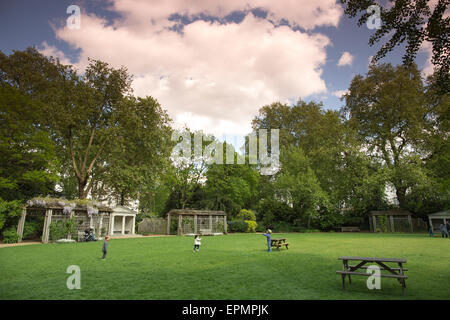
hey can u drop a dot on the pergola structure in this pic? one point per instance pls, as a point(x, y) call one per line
point(394, 220)
point(102, 219)
point(441, 217)
point(203, 222)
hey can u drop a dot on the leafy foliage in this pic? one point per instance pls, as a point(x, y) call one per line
point(413, 22)
point(237, 226)
point(10, 236)
point(245, 214)
point(62, 228)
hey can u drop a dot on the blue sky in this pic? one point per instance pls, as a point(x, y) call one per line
point(211, 88)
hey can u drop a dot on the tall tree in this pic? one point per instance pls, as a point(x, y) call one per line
point(140, 151)
point(331, 148)
point(79, 111)
point(389, 111)
point(28, 165)
point(299, 185)
point(27, 156)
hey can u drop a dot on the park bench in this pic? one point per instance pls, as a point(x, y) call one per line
point(279, 242)
point(393, 272)
point(350, 229)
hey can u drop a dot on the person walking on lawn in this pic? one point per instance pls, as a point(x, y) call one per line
point(105, 247)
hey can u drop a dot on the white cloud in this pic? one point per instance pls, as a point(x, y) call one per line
point(304, 13)
point(369, 60)
point(213, 76)
point(346, 59)
point(428, 68)
point(339, 93)
point(50, 50)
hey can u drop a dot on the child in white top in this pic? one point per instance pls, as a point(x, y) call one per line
point(197, 243)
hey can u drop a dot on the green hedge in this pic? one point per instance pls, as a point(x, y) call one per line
point(10, 236)
point(251, 226)
point(237, 226)
point(242, 226)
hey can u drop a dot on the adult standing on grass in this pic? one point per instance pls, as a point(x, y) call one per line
point(448, 227)
point(444, 231)
point(269, 240)
point(105, 247)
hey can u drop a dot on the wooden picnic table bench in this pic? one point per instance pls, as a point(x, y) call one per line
point(279, 242)
point(393, 272)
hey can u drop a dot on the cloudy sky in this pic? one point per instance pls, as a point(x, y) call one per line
point(212, 64)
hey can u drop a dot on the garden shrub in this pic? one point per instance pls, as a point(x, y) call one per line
point(251, 225)
point(10, 236)
point(246, 215)
point(237, 226)
point(330, 221)
point(271, 211)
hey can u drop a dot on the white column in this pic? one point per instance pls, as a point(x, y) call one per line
point(133, 227)
point(111, 225)
point(123, 224)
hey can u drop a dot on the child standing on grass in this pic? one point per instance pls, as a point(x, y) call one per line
point(197, 243)
point(269, 240)
point(105, 247)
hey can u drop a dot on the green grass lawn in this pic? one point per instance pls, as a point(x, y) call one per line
point(235, 266)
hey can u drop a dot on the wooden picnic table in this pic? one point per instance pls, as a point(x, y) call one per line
point(279, 242)
point(393, 272)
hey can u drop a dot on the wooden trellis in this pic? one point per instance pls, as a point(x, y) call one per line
point(99, 221)
point(203, 222)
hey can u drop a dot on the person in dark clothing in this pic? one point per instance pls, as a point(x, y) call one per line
point(105, 247)
point(444, 231)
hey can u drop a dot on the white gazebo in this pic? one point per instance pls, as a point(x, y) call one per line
point(122, 221)
point(442, 216)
